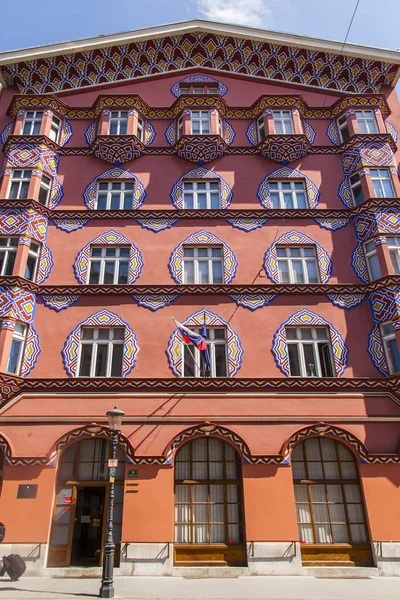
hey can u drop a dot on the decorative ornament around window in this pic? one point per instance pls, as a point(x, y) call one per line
point(222, 89)
point(287, 173)
point(116, 173)
point(226, 194)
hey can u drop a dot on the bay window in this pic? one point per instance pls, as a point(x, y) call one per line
point(374, 268)
point(118, 123)
point(101, 351)
point(200, 122)
point(394, 250)
point(193, 365)
point(203, 265)
point(55, 129)
point(343, 129)
point(391, 349)
point(297, 264)
point(260, 128)
point(44, 190)
point(19, 184)
point(283, 122)
point(32, 122)
point(310, 353)
point(17, 349)
point(8, 253)
point(356, 189)
point(382, 183)
point(366, 121)
point(33, 261)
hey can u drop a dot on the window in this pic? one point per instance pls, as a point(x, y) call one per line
point(366, 121)
point(297, 264)
point(32, 122)
point(101, 352)
point(198, 89)
point(140, 129)
point(382, 183)
point(287, 194)
point(309, 350)
point(8, 252)
point(356, 189)
point(115, 195)
point(371, 255)
point(109, 265)
point(118, 124)
point(17, 347)
point(217, 347)
point(394, 250)
point(391, 348)
point(184, 90)
point(283, 123)
point(327, 492)
point(32, 262)
point(203, 265)
point(201, 194)
point(200, 122)
point(260, 128)
point(44, 190)
point(343, 129)
point(19, 184)
point(179, 128)
point(55, 129)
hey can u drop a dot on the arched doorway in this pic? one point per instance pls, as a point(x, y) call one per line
point(330, 508)
point(209, 520)
point(81, 504)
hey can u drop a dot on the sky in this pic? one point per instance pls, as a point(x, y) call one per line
point(26, 23)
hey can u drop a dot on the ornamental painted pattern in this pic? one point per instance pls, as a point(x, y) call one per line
point(225, 191)
point(17, 304)
point(7, 130)
point(246, 224)
point(344, 193)
point(346, 300)
point(66, 132)
point(23, 222)
point(139, 194)
point(195, 50)
point(309, 132)
point(308, 318)
point(156, 224)
point(229, 132)
point(202, 238)
point(69, 225)
point(110, 238)
point(367, 154)
point(253, 301)
point(252, 134)
point(296, 238)
point(391, 129)
point(46, 263)
point(332, 133)
point(385, 304)
point(175, 90)
point(287, 173)
point(102, 318)
point(376, 350)
point(154, 301)
point(31, 351)
point(234, 346)
point(359, 263)
point(332, 223)
point(59, 302)
point(90, 134)
point(149, 133)
point(376, 222)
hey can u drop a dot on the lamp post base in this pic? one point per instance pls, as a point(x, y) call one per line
point(106, 591)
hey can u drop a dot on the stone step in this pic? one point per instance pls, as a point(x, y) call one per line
point(210, 572)
point(76, 572)
point(341, 572)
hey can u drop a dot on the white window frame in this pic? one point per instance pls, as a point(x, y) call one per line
point(211, 343)
point(283, 118)
point(292, 191)
point(382, 175)
point(209, 259)
point(369, 252)
point(32, 121)
point(33, 253)
point(179, 128)
point(45, 185)
point(209, 190)
point(355, 184)
point(366, 120)
point(103, 259)
point(203, 118)
point(393, 243)
point(96, 342)
point(8, 250)
point(118, 118)
point(303, 259)
point(385, 339)
point(196, 89)
point(119, 192)
point(19, 335)
point(140, 128)
point(343, 125)
point(260, 128)
point(314, 341)
point(55, 128)
point(26, 175)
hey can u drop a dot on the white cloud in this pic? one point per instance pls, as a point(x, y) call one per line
point(244, 12)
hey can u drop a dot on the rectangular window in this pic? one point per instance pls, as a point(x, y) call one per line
point(391, 348)
point(200, 122)
point(17, 348)
point(260, 128)
point(343, 129)
point(33, 261)
point(179, 128)
point(309, 350)
point(32, 122)
point(382, 182)
point(356, 189)
point(19, 184)
point(297, 264)
point(8, 252)
point(287, 194)
point(198, 89)
point(44, 190)
point(118, 124)
point(109, 265)
point(283, 122)
point(101, 352)
point(371, 255)
point(366, 121)
point(202, 195)
point(217, 348)
point(184, 90)
point(394, 249)
point(55, 129)
point(115, 195)
point(203, 265)
point(140, 129)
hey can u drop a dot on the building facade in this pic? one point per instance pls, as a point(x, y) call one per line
point(219, 176)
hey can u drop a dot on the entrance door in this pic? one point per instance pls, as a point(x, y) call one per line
point(88, 526)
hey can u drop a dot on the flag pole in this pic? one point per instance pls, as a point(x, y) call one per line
point(188, 347)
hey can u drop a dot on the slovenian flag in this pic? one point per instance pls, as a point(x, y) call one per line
point(198, 340)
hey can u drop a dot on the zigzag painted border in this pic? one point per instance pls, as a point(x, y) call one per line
point(376, 351)
point(202, 238)
point(309, 132)
point(299, 239)
point(332, 223)
point(253, 301)
point(359, 263)
point(66, 132)
point(154, 301)
point(31, 351)
point(235, 348)
point(226, 194)
point(346, 300)
point(139, 193)
point(46, 263)
point(175, 89)
point(17, 304)
point(69, 225)
point(156, 224)
point(23, 222)
point(90, 133)
point(308, 318)
point(391, 129)
point(59, 302)
point(332, 133)
point(104, 317)
point(287, 173)
point(7, 130)
point(246, 224)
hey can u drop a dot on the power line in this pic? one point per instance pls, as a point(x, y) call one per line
point(350, 24)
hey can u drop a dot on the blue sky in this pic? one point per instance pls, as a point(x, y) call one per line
point(377, 23)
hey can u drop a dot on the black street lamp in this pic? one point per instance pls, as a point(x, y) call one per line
point(107, 579)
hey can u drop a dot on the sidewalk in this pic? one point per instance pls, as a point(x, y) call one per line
point(267, 588)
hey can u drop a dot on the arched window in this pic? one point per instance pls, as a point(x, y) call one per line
point(81, 504)
point(330, 509)
point(209, 523)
